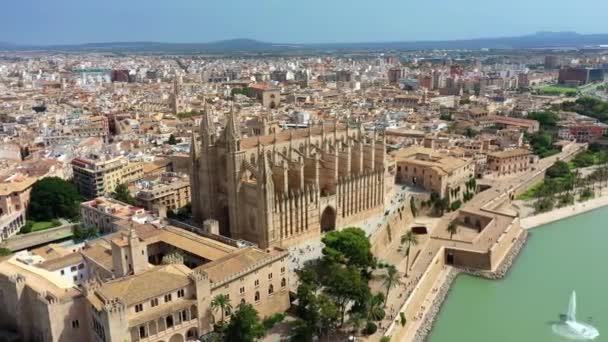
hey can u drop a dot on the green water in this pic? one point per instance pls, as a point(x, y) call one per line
point(568, 255)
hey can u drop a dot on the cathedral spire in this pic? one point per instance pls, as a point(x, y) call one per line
point(193, 150)
point(207, 128)
point(232, 133)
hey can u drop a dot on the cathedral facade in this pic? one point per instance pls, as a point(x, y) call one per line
point(286, 187)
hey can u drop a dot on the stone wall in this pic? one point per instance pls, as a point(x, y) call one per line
point(505, 242)
point(414, 302)
point(394, 227)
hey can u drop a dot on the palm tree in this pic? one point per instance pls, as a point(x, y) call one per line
point(452, 229)
point(221, 302)
point(391, 278)
point(375, 312)
point(410, 239)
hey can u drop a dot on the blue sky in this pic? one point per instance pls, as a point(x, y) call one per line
point(291, 21)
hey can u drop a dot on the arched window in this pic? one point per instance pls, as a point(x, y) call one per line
point(257, 296)
point(242, 300)
point(169, 321)
point(283, 282)
point(270, 289)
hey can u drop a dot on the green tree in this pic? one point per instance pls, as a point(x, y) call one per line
point(441, 205)
point(375, 307)
point(221, 302)
point(245, 325)
point(346, 286)
point(328, 314)
point(172, 140)
point(122, 193)
point(546, 119)
point(302, 332)
point(409, 239)
point(4, 252)
point(470, 132)
point(349, 246)
point(83, 233)
point(390, 279)
point(584, 159)
point(452, 229)
point(53, 197)
point(559, 169)
point(455, 205)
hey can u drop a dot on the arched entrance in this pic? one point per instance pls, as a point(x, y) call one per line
point(328, 220)
point(177, 338)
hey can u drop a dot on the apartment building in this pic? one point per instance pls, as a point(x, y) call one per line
point(169, 194)
point(102, 212)
point(141, 283)
point(99, 175)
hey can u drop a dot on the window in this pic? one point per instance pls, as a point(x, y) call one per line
point(75, 278)
point(62, 272)
point(180, 293)
point(257, 296)
point(75, 324)
point(139, 307)
point(81, 266)
point(270, 289)
point(283, 282)
point(73, 268)
point(282, 269)
point(242, 290)
point(169, 321)
point(256, 283)
point(142, 332)
point(269, 275)
point(154, 302)
point(183, 316)
point(168, 298)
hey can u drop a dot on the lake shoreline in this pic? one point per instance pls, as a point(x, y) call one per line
point(565, 212)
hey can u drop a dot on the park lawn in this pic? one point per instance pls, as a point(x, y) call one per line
point(42, 225)
point(531, 192)
point(555, 89)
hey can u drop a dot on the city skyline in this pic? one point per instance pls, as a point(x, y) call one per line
point(72, 22)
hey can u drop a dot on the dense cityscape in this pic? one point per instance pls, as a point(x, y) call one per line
point(318, 196)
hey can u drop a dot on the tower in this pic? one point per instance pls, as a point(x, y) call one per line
point(234, 162)
point(204, 169)
point(175, 96)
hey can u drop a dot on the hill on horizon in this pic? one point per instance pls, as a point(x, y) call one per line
point(243, 45)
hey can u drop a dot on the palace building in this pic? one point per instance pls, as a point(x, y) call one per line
point(142, 283)
point(288, 186)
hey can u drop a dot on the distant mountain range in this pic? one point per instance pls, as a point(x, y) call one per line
point(537, 40)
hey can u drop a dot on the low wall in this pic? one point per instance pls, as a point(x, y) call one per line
point(21, 242)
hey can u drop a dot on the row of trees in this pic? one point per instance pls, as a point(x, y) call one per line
point(562, 186)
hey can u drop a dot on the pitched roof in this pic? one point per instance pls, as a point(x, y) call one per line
point(234, 263)
point(149, 284)
point(62, 262)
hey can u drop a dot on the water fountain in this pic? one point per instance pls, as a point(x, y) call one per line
point(570, 328)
